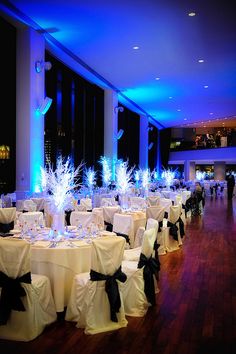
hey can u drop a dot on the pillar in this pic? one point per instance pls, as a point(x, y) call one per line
point(219, 170)
point(29, 123)
point(143, 142)
point(110, 127)
point(189, 170)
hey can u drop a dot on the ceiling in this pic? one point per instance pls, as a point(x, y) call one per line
point(183, 70)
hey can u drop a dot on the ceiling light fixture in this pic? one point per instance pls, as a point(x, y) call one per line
point(135, 47)
point(205, 86)
point(192, 14)
point(201, 60)
point(157, 78)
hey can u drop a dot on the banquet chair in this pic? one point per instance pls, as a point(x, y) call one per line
point(123, 226)
point(108, 215)
point(7, 219)
point(26, 305)
point(137, 203)
point(175, 226)
point(92, 305)
point(32, 218)
point(108, 202)
point(133, 254)
point(87, 202)
point(139, 291)
point(166, 203)
point(153, 200)
point(29, 205)
point(84, 218)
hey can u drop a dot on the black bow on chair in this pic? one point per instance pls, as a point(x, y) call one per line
point(151, 267)
point(11, 293)
point(111, 288)
point(125, 236)
point(174, 228)
point(109, 226)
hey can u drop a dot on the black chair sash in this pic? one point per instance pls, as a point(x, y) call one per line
point(166, 215)
point(111, 288)
point(181, 227)
point(160, 225)
point(11, 293)
point(151, 267)
point(109, 227)
point(5, 228)
point(174, 228)
point(125, 236)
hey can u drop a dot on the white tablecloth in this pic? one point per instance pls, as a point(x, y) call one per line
point(61, 264)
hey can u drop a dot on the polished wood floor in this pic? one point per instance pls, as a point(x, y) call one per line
point(196, 307)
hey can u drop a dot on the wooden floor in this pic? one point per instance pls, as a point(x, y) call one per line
point(196, 307)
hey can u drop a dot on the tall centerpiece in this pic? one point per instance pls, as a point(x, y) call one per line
point(145, 181)
point(106, 171)
point(123, 182)
point(168, 176)
point(59, 185)
point(90, 179)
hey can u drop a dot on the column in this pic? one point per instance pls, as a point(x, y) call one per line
point(189, 170)
point(29, 123)
point(110, 127)
point(219, 170)
point(143, 142)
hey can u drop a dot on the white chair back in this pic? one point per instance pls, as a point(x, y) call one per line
point(107, 254)
point(149, 238)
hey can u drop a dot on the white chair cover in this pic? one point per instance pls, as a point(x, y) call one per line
point(109, 212)
point(84, 218)
point(135, 300)
point(29, 205)
point(7, 215)
point(171, 244)
point(108, 202)
point(124, 224)
point(166, 203)
point(89, 305)
point(34, 218)
point(153, 200)
point(137, 203)
point(38, 302)
point(87, 202)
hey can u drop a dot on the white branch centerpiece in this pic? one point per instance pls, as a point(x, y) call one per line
point(124, 182)
point(59, 185)
point(90, 179)
point(106, 171)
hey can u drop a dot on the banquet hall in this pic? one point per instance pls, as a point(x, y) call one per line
point(121, 121)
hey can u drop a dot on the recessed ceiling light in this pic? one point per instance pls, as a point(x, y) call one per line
point(226, 118)
point(179, 110)
point(192, 14)
point(185, 118)
point(157, 78)
point(170, 97)
point(211, 113)
point(201, 60)
point(135, 47)
point(204, 126)
point(205, 86)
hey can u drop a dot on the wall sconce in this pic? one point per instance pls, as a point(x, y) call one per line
point(150, 146)
point(150, 128)
point(40, 65)
point(119, 134)
point(45, 105)
point(118, 109)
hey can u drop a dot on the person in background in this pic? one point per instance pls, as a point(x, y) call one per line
point(217, 139)
point(230, 185)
